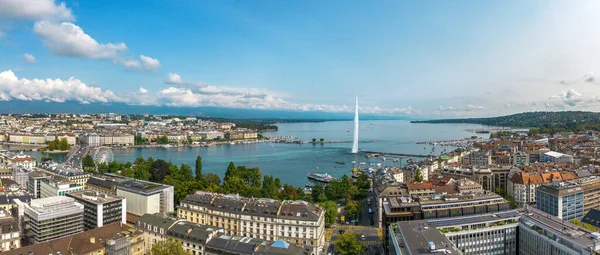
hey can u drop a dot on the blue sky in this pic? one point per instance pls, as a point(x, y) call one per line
point(415, 58)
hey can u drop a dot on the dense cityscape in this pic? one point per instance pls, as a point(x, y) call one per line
point(517, 192)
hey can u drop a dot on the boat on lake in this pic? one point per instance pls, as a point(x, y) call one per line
point(340, 163)
point(325, 178)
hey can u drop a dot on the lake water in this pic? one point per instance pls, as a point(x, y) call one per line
point(292, 162)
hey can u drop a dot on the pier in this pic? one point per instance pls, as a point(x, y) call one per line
point(380, 154)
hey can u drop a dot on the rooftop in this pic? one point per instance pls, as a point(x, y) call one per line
point(94, 197)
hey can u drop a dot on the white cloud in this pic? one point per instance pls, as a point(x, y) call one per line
point(173, 78)
point(34, 10)
point(68, 39)
point(566, 98)
point(132, 64)
point(151, 64)
point(464, 108)
point(29, 58)
point(57, 90)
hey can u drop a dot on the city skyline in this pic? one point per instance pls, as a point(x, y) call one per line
point(423, 60)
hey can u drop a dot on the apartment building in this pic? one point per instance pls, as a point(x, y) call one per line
point(51, 218)
point(478, 158)
point(20, 175)
point(71, 174)
point(35, 182)
point(100, 208)
point(564, 200)
point(10, 237)
point(154, 228)
point(90, 139)
point(297, 222)
point(112, 239)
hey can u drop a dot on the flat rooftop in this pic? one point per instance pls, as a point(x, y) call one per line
point(94, 197)
point(565, 229)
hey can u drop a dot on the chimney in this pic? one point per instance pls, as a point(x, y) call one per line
point(92, 240)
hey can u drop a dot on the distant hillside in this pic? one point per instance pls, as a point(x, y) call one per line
point(546, 122)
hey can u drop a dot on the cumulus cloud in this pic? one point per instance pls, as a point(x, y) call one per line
point(34, 10)
point(566, 98)
point(29, 58)
point(173, 78)
point(146, 64)
point(68, 39)
point(57, 90)
point(151, 64)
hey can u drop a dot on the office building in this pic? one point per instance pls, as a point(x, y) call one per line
point(543, 234)
point(35, 182)
point(112, 239)
point(91, 140)
point(51, 218)
point(100, 208)
point(142, 196)
point(478, 158)
point(10, 237)
point(57, 186)
point(564, 200)
point(525, 231)
point(481, 234)
point(297, 222)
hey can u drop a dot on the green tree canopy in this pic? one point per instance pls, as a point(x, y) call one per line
point(159, 170)
point(331, 211)
point(418, 175)
point(198, 171)
point(347, 244)
point(169, 246)
point(87, 161)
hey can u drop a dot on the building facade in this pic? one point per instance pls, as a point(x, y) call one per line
point(564, 200)
point(100, 208)
point(51, 218)
point(296, 222)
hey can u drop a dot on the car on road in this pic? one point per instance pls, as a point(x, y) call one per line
point(341, 231)
point(362, 237)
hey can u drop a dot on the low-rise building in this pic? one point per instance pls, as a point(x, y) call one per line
point(112, 239)
point(10, 237)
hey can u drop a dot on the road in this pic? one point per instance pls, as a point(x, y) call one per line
point(366, 226)
point(76, 155)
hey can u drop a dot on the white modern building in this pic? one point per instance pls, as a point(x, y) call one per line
point(146, 197)
point(51, 218)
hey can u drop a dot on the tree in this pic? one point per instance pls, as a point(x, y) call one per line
point(501, 192)
point(269, 187)
point(289, 192)
point(318, 193)
point(198, 168)
point(141, 168)
point(159, 170)
point(63, 144)
point(331, 212)
point(168, 247)
point(314, 140)
point(352, 209)
point(576, 222)
point(418, 176)
point(347, 244)
point(162, 140)
point(363, 181)
point(87, 161)
point(321, 139)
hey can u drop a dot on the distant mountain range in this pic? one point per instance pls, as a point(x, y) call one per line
point(547, 122)
point(21, 107)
